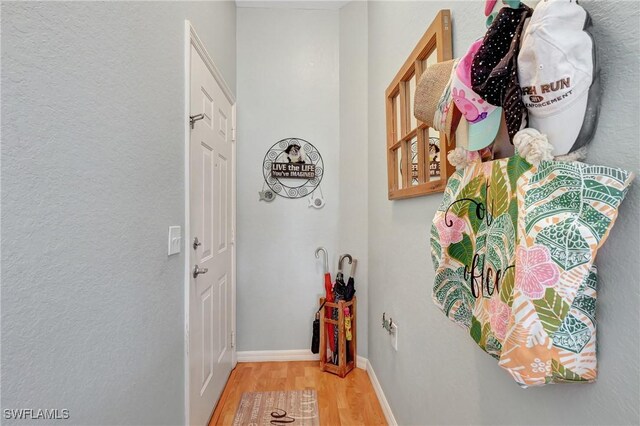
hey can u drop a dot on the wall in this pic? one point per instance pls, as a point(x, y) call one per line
point(287, 87)
point(92, 175)
point(354, 206)
point(439, 376)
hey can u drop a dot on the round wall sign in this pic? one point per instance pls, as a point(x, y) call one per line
point(292, 168)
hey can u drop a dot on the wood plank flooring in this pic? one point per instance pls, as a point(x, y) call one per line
point(348, 401)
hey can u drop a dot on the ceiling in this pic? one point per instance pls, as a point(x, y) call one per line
point(293, 4)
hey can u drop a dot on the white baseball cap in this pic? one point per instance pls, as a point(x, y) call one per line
point(556, 69)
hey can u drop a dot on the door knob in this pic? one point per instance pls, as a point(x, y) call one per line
point(197, 271)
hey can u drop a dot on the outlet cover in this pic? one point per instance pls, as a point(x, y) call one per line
point(394, 336)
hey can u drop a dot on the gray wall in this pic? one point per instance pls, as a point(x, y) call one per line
point(300, 73)
point(92, 176)
point(439, 375)
point(354, 172)
point(287, 87)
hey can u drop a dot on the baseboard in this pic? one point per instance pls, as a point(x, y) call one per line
point(306, 355)
point(274, 356)
point(289, 355)
point(361, 362)
point(386, 409)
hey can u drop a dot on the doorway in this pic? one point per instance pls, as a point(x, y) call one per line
point(210, 230)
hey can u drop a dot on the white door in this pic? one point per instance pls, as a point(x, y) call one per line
point(212, 213)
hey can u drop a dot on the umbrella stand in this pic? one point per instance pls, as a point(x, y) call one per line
point(339, 290)
point(344, 365)
point(350, 292)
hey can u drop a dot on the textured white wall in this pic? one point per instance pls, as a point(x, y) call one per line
point(92, 173)
point(287, 87)
point(92, 176)
point(354, 153)
point(439, 376)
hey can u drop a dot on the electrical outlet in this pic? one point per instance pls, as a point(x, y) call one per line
point(394, 336)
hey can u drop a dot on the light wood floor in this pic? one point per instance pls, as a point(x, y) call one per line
point(348, 401)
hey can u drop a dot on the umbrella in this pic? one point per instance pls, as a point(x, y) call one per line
point(350, 290)
point(315, 336)
point(327, 289)
point(339, 290)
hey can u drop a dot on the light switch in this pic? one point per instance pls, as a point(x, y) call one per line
point(175, 239)
point(394, 336)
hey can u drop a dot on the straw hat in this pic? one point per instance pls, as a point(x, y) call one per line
point(430, 89)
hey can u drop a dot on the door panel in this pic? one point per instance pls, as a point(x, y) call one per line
point(207, 203)
point(211, 195)
point(222, 317)
point(223, 124)
point(207, 107)
point(223, 203)
point(207, 338)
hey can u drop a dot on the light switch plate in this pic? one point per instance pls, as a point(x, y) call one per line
point(175, 240)
point(394, 336)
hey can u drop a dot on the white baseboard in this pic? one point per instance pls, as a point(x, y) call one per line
point(306, 355)
point(361, 362)
point(269, 356)
point(386, 409)
point(289, 355)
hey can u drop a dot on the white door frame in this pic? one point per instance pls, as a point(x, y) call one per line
point(192, 39)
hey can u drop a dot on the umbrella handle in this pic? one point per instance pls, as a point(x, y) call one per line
point(354, 264)
point(348, 256)
point(326, 258)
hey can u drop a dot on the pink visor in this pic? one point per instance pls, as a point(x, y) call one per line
point(483, 118)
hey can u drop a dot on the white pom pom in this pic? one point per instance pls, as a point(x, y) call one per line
point(533, 146)
point(459, 158)
point(577, 155)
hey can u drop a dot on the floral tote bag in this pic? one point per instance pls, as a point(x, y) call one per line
point(565, 213)
point(513, 248)
point(473, 247)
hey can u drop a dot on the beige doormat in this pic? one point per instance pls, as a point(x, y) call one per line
point(278, 408)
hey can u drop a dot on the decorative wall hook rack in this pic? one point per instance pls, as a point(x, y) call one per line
point(293, 168)
point(387, 324)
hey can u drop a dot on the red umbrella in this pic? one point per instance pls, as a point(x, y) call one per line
point(328, 292)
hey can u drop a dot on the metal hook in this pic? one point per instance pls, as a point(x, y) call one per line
point(326, 258)
point(387, 325)
point(194, 118)
point(342, 258)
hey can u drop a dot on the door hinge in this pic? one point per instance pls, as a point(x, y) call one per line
point(233, 134)
point(233, 235)
point(233, 339)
